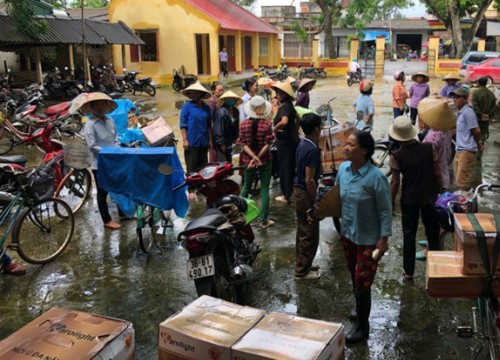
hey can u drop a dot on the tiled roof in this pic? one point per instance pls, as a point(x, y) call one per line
point(400, 24)
point(231, 16)
point(69, 31)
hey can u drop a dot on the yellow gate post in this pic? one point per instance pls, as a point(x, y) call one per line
point(433, 55)
point(481, 45)
point(379, 56)
point(354, 48)
point(315, 52)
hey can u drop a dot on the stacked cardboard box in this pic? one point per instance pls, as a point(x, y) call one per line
point(67, 335)
point(461, 273)
point(210, 328)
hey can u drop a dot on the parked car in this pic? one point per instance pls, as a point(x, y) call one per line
point(489, 68)
point(475, 58)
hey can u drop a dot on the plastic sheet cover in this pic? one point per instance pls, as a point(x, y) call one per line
point(134, 174)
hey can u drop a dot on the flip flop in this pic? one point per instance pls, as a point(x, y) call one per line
point(267, 224)
point(112, 225)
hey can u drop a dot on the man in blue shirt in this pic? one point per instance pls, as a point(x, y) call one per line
point(308, 160)
point(364, 106)
point(195, 124)
point(468, 139)
point(223, 61)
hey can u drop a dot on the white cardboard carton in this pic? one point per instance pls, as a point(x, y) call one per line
point(205, 329)
point(286, 337)
point(62, 334)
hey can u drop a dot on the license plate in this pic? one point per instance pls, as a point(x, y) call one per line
point(201, 267)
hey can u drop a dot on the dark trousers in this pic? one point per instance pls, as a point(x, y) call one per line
point(413, 115)
point(195, 157)
point(286, 156)
point(409, 218)
point(307, 238)
point(397, 112)
point(223, 66)
point(102, 201)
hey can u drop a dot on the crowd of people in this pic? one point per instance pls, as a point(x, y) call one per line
point(213, 122)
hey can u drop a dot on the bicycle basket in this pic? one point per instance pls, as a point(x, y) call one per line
point(41, 184)
point(76, 155)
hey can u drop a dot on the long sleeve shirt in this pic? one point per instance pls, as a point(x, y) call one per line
point(98, 134)
point(366, 204)
point(484, 102)
point(197, 122)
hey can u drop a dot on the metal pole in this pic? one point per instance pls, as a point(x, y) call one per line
point(310, 42)
point(85, 60)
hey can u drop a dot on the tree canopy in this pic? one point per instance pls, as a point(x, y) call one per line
point(23, 16)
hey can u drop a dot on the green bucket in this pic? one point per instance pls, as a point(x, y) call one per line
point(252, 212)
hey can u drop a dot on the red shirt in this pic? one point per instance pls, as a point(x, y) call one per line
point(264, 137)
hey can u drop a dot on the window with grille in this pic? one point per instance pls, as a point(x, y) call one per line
point(263, 46)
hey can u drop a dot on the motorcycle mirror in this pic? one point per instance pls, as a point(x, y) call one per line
point(165, 169)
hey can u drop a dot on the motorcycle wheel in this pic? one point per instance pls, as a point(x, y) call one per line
point(6, 141)
point(322, 74)
point(150, 89)
point(120, 88)
point(349, 82)
point(219, 285)
point(176, 86)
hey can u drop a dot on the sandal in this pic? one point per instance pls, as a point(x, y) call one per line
point(283, 199)
point(112, 225)
point(14, 268)
point(421, 255)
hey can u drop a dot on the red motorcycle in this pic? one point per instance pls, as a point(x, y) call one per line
point(71, 185)
point(220, 242)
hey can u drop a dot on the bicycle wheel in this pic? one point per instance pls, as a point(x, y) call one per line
point(42, 231)
point(447, 241)
point(75, 188)
point(381, 159)
point(490, 331)
point(6, 141)
point(146, 227)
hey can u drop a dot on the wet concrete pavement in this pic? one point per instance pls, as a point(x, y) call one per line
point(104, 272)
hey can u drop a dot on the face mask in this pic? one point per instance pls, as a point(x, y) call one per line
point(230, 102)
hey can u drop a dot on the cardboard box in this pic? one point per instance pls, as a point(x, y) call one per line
point(444, 277)
point(466, 242)
point(331, 142)
point(286, 337)
point(205, 329)
point(158, 133)
point(68, 335)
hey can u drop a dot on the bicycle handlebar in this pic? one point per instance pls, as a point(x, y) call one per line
point(473, 198)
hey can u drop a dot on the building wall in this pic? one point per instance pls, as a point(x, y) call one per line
point(11, 60)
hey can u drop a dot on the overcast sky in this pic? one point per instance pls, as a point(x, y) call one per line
point(417, 10)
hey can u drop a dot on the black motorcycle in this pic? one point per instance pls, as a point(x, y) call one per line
point(281, 73)
point(141, 85)
point(353, 78)
point(182, 80)
point(55, 87)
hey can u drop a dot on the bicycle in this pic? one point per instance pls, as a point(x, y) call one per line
point(41, 227)
point(325, 112)
point(488, 330)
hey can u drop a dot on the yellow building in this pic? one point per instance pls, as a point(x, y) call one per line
point(192, 33)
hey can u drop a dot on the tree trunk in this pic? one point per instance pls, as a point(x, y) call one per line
point(455, 27)
point(327, 26)
point(469, 36)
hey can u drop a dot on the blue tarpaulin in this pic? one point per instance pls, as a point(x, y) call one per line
point(120, 116)
point(133, 173)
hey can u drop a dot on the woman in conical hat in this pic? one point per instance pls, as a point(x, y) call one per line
point(305, 86)
point(226, 125)
point(451, 85)
point(196, 127)
point(285, 131)
point(100, 131)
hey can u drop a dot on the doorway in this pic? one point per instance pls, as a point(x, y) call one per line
point(203, 53)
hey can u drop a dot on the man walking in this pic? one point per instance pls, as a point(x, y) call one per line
point(419, 165)
point(484, 105)
point(223, 61)
point(468, 139)
point(308, 158)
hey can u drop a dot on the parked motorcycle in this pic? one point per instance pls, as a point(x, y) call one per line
point(141, 85)
point(280, 73)
point(311, 72)
point(55, 87)
point(182, 80)
point(220, 242)
point(354, 78)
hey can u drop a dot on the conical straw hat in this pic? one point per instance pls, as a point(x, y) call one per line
point(284, 86)
point(330, 204)
point(230, 95)
point(424, 75)
point(196, 87)
point(306, 81)
point(82, 102)
point(436, 114)
point(450, 76)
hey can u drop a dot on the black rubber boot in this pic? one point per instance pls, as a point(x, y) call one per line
point(362, 329)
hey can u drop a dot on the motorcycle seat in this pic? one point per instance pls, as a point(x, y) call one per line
point(145, 79)
point(210, 219)
point(272, 72)
point(14, 159)
point(56, 109)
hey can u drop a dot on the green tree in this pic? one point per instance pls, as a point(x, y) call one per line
point(451, 11)
point(90, 3)
point(22, 14)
